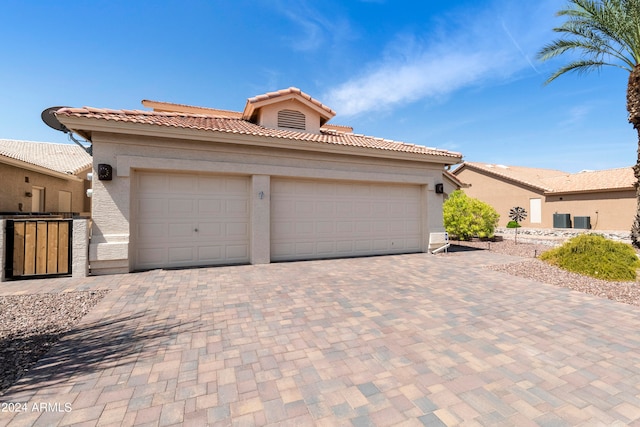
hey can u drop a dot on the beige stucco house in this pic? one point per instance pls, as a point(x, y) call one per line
point(605, 198)
point(195, 186)
point(43, 177)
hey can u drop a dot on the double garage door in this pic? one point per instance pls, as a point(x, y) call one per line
point(196, 219)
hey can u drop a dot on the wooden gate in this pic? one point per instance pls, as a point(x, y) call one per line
point(38, 248)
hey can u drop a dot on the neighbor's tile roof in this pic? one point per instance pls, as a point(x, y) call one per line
point(610, 179)
point(532, 177)
point(555, 181)
point(64, 158)
point(243, 127)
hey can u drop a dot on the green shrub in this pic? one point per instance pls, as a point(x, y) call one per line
point(513, 224)
point(594, 255)
point(467, 217)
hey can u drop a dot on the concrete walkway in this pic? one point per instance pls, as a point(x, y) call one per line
point(384, 341)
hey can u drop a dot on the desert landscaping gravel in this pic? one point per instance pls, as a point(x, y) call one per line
point(533, 268)
point(31, 324)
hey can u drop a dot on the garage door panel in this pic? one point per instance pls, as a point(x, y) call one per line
point(151, 256)
point(152, 183)
point(304, 228)
point(239, 229)
point(210, 254)
point(181, 231)
point(179, 207)
point(210, 229)
point(179, 255)
point(325, 228)
point(209, 207)
point(326, 248)
point(168, 208)
point(240, 206)
point(181, 183)
point(151, 208)
point(348, 219)
point(147, 230)
point(344, 247)
point(325, 208)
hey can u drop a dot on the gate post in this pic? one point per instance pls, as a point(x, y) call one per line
point(3, 255)
point(80, 251)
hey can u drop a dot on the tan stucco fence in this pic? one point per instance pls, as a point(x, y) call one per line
point(80, 245)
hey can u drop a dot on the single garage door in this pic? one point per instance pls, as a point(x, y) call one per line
point(324, 219)
point(190, 220)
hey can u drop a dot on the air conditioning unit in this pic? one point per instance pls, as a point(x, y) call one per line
point(561, 220)
point(583, 222)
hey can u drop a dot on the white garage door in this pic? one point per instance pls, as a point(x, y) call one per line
point(323, 219)
point(190, 220)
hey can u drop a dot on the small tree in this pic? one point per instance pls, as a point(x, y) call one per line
point(467, 217)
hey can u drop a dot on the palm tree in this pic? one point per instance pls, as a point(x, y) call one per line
point(604, 32)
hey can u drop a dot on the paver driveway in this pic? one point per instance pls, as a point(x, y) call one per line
point(398, 340)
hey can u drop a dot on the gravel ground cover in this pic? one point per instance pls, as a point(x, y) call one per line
point(533, 268)
point(31, 324)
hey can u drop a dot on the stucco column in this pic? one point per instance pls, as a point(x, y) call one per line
point(80, 263)
point(3, 255)
point(260, 204)
point(432, 221)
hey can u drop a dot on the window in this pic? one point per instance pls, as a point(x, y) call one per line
point(535, 210)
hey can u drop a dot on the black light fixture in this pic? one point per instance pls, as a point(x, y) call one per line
point(439, 188)
point(105, 172)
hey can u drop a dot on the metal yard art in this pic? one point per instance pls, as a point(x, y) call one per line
point(517, 214)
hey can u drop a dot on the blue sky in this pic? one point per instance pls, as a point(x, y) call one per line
point(458, 75)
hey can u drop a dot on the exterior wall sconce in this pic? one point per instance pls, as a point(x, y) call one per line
point(439, 188)
point(105, 172)
point(261, 195)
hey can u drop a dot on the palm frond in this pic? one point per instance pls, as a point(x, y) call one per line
point(602, 32)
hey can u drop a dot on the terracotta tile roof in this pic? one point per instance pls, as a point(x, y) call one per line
point(555, 181)
point(64, 158)
point(189, 109)
point(243, 127)
point(611, 179)
point(532, 177)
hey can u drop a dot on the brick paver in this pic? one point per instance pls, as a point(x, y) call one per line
point(386, 341)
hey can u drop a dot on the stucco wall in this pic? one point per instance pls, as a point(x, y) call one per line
point(502, 196)
point(608, 211)
point(111, 203)
point(13, 189)
point(615, 210)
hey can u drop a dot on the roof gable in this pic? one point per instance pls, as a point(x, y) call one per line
point(285, 97)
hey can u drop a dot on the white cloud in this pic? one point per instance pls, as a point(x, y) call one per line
point(470, 48)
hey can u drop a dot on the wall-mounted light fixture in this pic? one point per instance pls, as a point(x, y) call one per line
point(261, 195)
point(439, 188)
point(105, 172)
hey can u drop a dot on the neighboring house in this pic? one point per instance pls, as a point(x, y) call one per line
point(605, 199)
point(195, 186)
point(43, 177)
